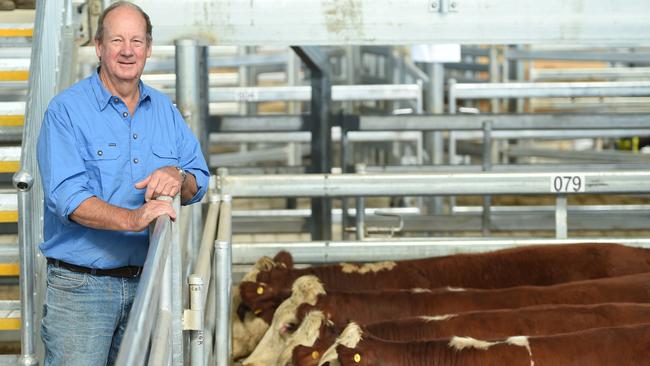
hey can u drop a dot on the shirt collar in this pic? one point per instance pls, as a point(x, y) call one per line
point(103, 96)
point(101, 93)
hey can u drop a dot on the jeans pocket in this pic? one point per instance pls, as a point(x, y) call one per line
point(63, 279)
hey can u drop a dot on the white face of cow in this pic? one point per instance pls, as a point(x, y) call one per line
point(350, 337)
point(304, 290)
point(273, 342)
point(306, 334)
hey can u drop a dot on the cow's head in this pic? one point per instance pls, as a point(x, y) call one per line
point(310, 353)
point(314, 325)
point(349, 338)
point(305, 289)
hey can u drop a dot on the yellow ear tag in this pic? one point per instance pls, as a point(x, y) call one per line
point(260, 290)
point(357, 358)
point(315, 355)
point(258, 311)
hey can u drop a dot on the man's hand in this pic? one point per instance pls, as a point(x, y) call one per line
point(165, 181)
point(141, 217)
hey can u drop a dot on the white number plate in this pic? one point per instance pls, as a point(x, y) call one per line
point(248, 95)
point(568, 183)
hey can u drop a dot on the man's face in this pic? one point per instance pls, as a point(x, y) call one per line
point(124, 48)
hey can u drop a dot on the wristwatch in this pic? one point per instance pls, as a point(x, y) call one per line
point(182, 173)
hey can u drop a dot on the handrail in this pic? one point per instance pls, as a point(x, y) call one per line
point(149, 294)
point(223, 286)
point(46, 65)
point(200, 282)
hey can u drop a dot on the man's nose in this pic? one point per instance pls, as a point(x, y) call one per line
point(126, 49)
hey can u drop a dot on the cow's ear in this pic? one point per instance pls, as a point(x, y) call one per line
point(283, 258)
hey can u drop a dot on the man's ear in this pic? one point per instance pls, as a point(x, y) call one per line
point(98, 50)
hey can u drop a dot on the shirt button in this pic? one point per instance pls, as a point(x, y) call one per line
point(135, 161)
point(100, 153)
point(135, 136)
point(116, 100)
point(125, 114)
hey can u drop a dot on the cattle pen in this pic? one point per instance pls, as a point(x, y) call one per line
point(362, 185)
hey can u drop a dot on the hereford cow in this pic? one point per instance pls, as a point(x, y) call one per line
point(529, 265)
point(620, 346)
point(531, 321)
point(372, 306)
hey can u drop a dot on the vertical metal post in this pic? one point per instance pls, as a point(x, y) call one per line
point(361, 208)
point(46, 67)
point(197, 344)
point(177, 293)
point(192, 87)
point(494, 76)
point(321, 135)
point(192, 101)
point(434, 140)
point(23, 182)
point(223, 268)
point(487, 166)
point(561, 227)
point(293, 79)
point(451, 148)
point(345, 158)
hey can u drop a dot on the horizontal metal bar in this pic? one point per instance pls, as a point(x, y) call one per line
point(318, 185)
point(303, 93)
point(570, 55)
point(544, 90)
point(458, 122)
point(606, 209)
point(553, 134)
point(261, 123)
point(305, 137)
point(385, 22)
point(503, 168)
point(590, 74)
point(412, 248)
point(507, 221)
point(604, 156)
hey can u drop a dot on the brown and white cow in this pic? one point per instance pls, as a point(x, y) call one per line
point(621, 346)
point(529, 265)
point(491, 324)
point(372, 306)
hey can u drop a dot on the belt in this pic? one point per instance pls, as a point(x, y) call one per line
point(128, 271)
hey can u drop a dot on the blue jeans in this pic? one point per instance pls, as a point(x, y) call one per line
point(84, 317)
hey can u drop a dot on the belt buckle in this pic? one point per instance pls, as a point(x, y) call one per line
point(138, 272)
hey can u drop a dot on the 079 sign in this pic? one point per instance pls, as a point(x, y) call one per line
point(567, 184)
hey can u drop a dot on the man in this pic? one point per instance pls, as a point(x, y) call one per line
point(109, 145)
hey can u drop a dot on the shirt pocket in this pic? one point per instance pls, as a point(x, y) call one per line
point(163, 155)
point(102, 165)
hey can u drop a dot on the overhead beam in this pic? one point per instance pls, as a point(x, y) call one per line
point(385, 22)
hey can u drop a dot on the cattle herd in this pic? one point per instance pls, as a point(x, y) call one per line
point(577, 304)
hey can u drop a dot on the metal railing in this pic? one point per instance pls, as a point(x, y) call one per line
point(151, 320)
point(361, 185)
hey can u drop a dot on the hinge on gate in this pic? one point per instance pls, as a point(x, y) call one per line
point(443, 6)
point(192, 320)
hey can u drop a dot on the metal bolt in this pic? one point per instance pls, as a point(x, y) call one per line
point(453, 5)
point(434, 5)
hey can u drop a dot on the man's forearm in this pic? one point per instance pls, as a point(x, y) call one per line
point(99, 214)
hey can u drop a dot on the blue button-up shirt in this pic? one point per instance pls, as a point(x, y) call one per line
point(90, 145)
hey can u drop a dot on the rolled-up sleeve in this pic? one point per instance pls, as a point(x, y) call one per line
point(191, 157)
point(63, 172)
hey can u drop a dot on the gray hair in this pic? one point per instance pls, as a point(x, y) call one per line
point(99, 34)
